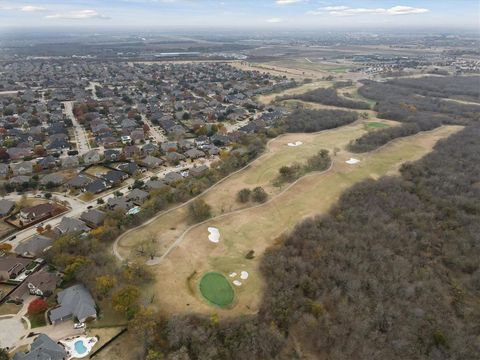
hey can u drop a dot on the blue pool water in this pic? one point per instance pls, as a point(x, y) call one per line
point(79, 347)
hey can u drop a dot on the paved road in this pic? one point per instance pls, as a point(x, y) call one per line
point(81, 138)
point(155, 132)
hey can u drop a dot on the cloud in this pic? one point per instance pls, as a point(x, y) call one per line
point(26, 8)
point(30, 8)
point(78, 15)
point(287, 2)
point(274, 20)
point(349, 11)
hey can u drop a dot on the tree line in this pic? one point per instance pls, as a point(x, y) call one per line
point(328, 96)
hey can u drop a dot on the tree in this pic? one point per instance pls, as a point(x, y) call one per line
point(104, 284)
point(199, 210)
point(144, 325)
point(4, 354)
point(259, 195)
point(37, 306)
point(5, 247)
point(243, 195)
point(125, 300)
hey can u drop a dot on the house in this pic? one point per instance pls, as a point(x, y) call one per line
point(149, 148)
point(19, 180)
point(137, 196)
point(55, 179)
point(40, 283)
point(174, 157)
point(79, 181)
point(91, 157)
point(48, 162)
point(130, 168)
point(169, 147)
point(112, 155)
point(194, 154)
point(119, 203)
point(198, 171)
point(37, 212)
point(74, 302)
point(6, 206)
point(96, 186)
point(152, 161)
point(70, 225)
point(12, 266)
point(22, 168)
point(115, 177)
point(43, 348)
point(130, 151)
point(172, 177)
point(33, 247)
point(93, 217)
point(155, 184)
point(70, 162)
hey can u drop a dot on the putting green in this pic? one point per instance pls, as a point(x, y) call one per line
point(375, 125)
point(217, 289)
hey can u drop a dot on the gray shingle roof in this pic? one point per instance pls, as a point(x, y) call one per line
point(74, 301)
point(43, 348)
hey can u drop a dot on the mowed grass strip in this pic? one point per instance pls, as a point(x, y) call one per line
point(217, 289)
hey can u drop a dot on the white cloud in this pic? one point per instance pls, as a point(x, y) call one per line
point(30, 8)
point(349, 11)
point(403, 10)
point(78, 15)
point(287, 2)
point(26, 8)
point(274, 20)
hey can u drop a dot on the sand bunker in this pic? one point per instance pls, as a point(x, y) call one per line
point(214, 235)
point(244, 275)
point(237, 283)
point(297, 143)
point(233, 274)
point(352, 161)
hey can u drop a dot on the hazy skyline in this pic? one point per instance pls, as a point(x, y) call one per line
point(273, 14)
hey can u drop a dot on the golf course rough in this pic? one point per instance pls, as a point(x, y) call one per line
point(216, 289)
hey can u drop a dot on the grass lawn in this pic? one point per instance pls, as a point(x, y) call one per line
point(37, 320)
point(261, 227)
point(9, 308)
point(374, 125)
point(217, 289)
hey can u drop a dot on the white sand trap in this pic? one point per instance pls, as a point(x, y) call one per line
point(214, 235)
point(233, 274)
point(296, 143)
point(244, 275)
point(352, 161)
point(237, 283)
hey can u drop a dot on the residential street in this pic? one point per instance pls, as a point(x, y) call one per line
point(81, 138)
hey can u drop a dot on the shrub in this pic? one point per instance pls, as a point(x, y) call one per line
point(37, 307)
point(199, 210)
point(259, 195)
point(243, 195)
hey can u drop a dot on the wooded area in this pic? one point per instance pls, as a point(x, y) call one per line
point(414, 102)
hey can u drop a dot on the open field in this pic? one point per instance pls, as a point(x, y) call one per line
point(260, 227)
point(166, 228)
point(267, 99)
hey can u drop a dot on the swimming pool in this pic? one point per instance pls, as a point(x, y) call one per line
point(80, 348)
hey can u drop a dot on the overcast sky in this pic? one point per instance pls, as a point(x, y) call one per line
point(274, 14)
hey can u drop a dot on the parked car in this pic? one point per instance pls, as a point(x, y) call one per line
point(78, 325)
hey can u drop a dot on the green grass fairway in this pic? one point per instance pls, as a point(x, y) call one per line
point(217, 289)
point(373, 125)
